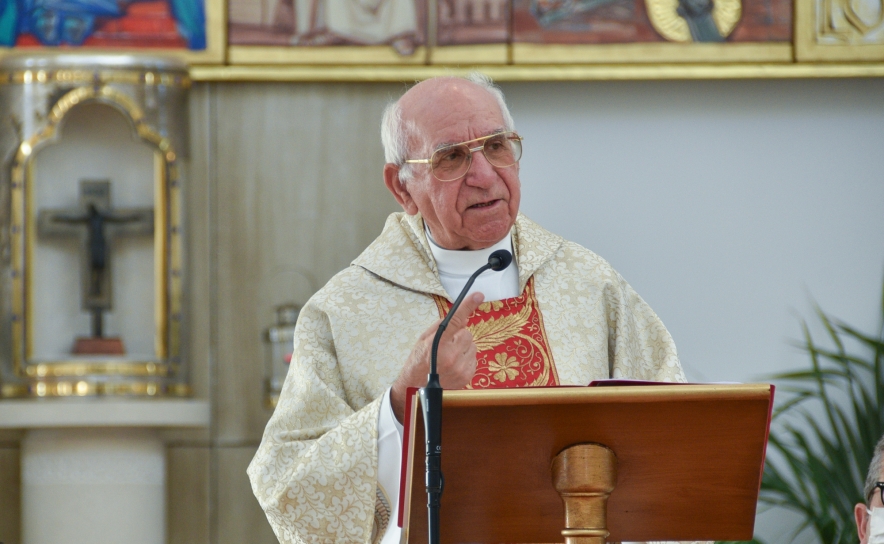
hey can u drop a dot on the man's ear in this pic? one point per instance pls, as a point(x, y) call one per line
point(397, 187)
point(862, 522)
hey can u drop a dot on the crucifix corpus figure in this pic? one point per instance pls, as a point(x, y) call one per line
point(95, 222)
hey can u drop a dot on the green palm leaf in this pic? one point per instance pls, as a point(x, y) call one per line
point(826, 428)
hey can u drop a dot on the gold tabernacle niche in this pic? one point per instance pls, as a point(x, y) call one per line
point(94, 229)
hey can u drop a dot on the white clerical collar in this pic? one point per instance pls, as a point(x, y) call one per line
point(459, 262)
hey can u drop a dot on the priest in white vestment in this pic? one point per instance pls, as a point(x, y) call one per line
point(327, 469)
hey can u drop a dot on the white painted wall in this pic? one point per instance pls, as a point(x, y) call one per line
point(728, 205)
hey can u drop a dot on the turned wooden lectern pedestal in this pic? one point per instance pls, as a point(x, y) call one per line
point(585, 465)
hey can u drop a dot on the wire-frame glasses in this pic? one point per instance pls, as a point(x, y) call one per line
point(879, 487)
point(452, 162)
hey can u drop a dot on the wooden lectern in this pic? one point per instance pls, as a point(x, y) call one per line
point(659, 462)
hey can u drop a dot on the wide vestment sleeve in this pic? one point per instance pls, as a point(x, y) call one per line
point(315, 472)
point(599, 327)
point(639, 345)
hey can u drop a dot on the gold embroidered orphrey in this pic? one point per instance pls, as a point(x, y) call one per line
point(511, 343)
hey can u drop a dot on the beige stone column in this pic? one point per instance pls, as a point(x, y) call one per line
point(94, 471)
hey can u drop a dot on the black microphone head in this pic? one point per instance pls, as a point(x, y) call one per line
point(500, 259)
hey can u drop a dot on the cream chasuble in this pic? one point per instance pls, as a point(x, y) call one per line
point(455, 268)
point(316, 471)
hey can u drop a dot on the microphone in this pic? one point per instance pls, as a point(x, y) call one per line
point(499, 260)
point(431, 401)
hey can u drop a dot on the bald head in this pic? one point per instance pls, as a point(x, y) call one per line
point(401, 126)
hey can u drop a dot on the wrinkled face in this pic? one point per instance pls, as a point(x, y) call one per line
point(477, 210)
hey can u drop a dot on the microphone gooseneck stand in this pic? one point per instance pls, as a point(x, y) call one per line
point(431, 402)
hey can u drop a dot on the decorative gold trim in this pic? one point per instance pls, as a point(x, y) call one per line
point(561, 72)
point(343, 54)
point(160, 258)
point(645, 53)
point(18, 253)
point(216, 35)
point(469, 54)
point(103, 77)
point(87, 388)
point(119, 367)
point(30, 250)
point(638, 393)
point(808, 49)
point(175, 293)
point(167, 296)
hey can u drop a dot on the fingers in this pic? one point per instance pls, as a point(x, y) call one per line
point(466, 309)
point(462, 342)
point(457, 355)
point(457, 360)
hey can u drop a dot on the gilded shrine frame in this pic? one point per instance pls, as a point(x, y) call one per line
point(68, 377)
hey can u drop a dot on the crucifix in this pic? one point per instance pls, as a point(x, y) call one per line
point(95, 222)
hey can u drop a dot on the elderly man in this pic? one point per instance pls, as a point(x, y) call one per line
point(327, 469)
point(870, 515)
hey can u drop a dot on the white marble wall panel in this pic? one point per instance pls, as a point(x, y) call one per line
point(298, 194)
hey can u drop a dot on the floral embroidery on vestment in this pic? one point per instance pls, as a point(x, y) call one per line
point(512, 349)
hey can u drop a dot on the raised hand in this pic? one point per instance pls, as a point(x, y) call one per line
point(456, 360)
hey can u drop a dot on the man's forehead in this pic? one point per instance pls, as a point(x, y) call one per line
point(438, 88)
point(451, 110)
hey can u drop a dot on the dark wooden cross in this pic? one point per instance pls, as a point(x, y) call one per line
point(95, 222)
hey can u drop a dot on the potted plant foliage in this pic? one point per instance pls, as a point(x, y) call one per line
point(823, 435)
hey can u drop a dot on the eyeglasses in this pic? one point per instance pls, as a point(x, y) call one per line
point(878, 487)
point(452, 162)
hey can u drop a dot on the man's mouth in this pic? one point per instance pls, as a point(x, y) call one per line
point(485, 204)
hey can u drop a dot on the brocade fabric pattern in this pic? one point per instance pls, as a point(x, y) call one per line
point(511, 345)
point(315, 472)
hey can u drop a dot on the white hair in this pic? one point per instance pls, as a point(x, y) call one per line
point(395, 132)
point(876, 469)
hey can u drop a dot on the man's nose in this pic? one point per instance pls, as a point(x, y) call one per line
point(481, 172)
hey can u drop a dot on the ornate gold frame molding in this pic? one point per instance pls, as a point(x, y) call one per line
point(69, 377)
point(557, 72)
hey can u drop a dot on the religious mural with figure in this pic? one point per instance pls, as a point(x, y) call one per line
point(400, 22)
point(519, 31)
point(628, 21)
point(174, 24)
